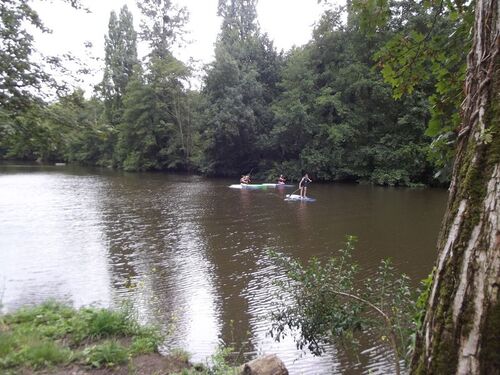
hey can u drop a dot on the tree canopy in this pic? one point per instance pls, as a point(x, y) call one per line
point(333, 107)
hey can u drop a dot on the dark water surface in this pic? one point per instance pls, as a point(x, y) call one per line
point(189, 253)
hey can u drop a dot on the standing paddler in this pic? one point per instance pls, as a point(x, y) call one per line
point(303, 185)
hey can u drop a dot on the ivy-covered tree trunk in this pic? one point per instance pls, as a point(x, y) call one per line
point(461, 329)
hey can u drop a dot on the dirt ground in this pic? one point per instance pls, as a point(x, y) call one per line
point(147, 364)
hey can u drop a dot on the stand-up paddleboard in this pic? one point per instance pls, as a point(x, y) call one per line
point(248, 186)
point(298, 198)
point(278, 185)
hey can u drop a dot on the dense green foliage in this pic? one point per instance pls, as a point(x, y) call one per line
point(18, 72)
point(338, 117)
point(328, 301)
point(155, 131)
point(238, 92)
point(23, 75)
point(54, 334)
point(324, 107)
point(427, 51)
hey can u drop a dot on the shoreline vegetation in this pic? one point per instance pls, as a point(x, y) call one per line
point(256, 176)
point(58, 339)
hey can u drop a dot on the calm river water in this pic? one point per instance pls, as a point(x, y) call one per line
point(189, 254)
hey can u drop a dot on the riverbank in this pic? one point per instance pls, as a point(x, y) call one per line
point(57, 339)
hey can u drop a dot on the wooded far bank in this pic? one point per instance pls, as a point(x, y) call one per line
point(327, 107)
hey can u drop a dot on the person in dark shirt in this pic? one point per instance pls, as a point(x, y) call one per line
point(304, 182)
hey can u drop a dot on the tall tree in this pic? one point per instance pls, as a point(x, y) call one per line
point(120, 58)
point(239, 20)
point(461, 329)
point(137, 147)
point(239, 88)
point(156, 131)
point(163, 25)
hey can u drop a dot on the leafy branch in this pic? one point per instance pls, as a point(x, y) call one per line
point(326, 301)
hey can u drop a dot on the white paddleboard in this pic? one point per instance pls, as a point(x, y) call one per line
point(298, 198)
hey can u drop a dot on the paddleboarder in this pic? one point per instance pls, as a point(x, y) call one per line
point(303, 185)
point(245, 179)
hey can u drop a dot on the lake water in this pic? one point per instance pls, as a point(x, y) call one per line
point(189, 254)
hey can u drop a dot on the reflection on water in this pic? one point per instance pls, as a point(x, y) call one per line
point(46, 223)
point(164, 270)
point(189, 254)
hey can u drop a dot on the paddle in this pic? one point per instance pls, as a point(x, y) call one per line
point(288, 195)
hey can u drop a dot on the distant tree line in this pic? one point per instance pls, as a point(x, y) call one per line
point(326, 107)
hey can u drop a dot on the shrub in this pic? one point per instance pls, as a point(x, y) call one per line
point(145, 344)
point(109, 354)
point(325, 301)
point(105, 323)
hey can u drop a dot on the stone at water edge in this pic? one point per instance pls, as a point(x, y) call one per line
point(266, 365)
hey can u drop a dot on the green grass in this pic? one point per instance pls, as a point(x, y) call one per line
point(145, 343)
point(32, 350)
point(53, 334)
point(106, 323)
point(45, 353)
point(109, 354)
point(219, 364)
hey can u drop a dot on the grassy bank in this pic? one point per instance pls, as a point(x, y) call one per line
point(56, 337)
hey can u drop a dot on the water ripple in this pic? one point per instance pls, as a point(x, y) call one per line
point(189, 254)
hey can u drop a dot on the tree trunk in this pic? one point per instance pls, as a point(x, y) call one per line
point(461, 329)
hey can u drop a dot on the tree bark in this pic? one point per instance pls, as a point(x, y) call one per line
point(460, 332)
